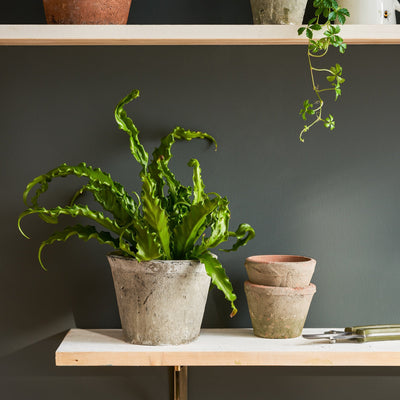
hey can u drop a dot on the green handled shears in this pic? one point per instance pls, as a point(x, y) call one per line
point(367, 333)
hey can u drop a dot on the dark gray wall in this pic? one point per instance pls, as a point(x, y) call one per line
point(334, 198)
point(150, 12)
point(146, 12)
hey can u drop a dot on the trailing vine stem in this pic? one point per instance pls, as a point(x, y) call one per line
point(317, 49)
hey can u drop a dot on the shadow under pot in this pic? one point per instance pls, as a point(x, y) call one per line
point(160, 302)
point(87, 12)
point(280, 270)
point(278, 312)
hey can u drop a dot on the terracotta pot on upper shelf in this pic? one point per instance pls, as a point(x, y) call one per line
point(91, 12)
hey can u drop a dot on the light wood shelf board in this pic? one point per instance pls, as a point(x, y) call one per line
point(222, 347)
point(56, 35)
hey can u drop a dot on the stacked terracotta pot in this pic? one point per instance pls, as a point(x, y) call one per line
point(279, 294)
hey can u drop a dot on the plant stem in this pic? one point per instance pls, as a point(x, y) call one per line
point(322, 70)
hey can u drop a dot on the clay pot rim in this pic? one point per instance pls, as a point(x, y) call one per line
point(283, 290)
point(155, 267)
point(112, 255)
point(279, 259)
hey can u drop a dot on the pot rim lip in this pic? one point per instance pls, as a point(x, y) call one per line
point(290, 259)
point(111, 255)
point(47, 1)
point(284, 290)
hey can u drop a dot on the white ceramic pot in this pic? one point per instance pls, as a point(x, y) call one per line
point(371, 12)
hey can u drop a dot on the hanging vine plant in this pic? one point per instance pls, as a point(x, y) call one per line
point(330, 11)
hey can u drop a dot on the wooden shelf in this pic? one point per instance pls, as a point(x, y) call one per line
point(77, 35)
point(222, 347)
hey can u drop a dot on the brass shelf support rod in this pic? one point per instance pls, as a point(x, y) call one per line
point(180, 383)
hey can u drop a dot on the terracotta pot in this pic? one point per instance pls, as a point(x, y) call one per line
point(280, 270)
point(160, 302)
point(278, 312)
point(93, 12)
point(280, 12)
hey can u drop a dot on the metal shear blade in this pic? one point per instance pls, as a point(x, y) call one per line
point(333, 336)
point(366, 333)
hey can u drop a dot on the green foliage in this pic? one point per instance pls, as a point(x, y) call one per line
point(167, 221)
point(317, 49)
point(83, 232)
point(218, 277)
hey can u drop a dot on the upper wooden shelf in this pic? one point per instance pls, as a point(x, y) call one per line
point(219, 347)
point(56, 35)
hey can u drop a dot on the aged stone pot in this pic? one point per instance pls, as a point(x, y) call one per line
point(280, 270)
point(92, 12)
point(278, 12)
point(160, 302)
point(278, 312)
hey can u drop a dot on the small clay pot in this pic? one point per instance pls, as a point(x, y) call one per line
point(92, 12)
point(278, 312)
point(281, 12)
point(280, 270)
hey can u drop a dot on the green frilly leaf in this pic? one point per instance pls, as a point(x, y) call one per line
point(243, 234)
point(127, 125)
point(219, 278)
point(192, 227)
point(198, 185)
point(219, 226)
point(73, 211)
point(155, 215)
point(97, 179)
point(83, 232)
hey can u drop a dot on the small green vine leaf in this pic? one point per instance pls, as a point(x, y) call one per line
point(301, 30)
point(329, 122)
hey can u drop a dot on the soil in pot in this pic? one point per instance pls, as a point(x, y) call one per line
point(280, 270)
point(160, 302)
point(278, 312)
point(92, 12)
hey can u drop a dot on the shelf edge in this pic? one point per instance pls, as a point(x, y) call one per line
point(187, 35)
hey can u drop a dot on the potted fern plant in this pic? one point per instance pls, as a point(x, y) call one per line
point(162, 265)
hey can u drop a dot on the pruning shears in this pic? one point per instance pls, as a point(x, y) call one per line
point(367, 333)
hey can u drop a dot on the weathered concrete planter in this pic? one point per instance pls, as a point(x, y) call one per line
point(160, 302)
point(92, 12)
point(280, 270)
point(278, 312)
point(278, 12)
